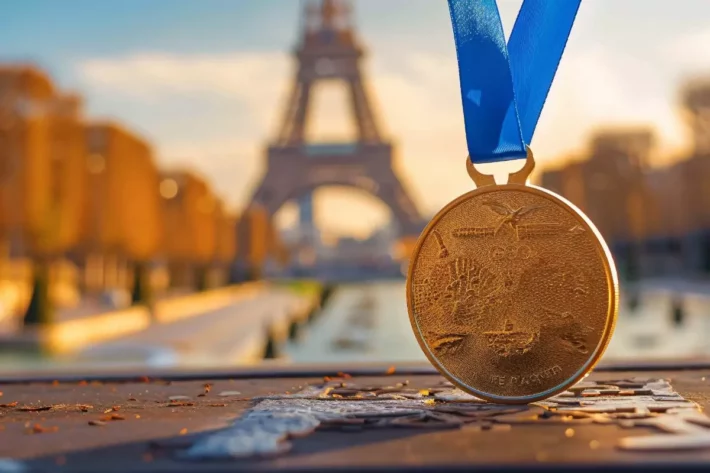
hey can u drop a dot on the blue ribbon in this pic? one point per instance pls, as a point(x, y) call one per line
point(503, 89)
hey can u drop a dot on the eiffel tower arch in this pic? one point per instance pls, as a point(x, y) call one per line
point(329, 51)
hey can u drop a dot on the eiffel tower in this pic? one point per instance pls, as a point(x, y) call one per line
point(329, 51)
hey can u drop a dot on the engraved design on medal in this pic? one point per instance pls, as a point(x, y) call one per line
point(509, 341)
point(510, 218)
point(572, 334)
point(443, 252)
point(510, 281)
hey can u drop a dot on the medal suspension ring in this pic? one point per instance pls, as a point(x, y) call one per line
point(511, 291)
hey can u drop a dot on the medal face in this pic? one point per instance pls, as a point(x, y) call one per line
point(512, 293)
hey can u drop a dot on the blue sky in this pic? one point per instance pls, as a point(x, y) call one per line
point(203, 80)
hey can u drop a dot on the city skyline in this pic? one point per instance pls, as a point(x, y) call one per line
point(184, 78)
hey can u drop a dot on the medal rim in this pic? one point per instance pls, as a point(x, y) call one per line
point(612, 285)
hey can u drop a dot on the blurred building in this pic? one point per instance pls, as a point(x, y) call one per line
point(225, 244)
point(191, 211)
point(42, 176)
point(26, 98)
point(123, 221)
point(656, 220)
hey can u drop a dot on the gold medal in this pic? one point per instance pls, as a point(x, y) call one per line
point(511, 291)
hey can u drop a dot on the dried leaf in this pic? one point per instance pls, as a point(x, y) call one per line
point(39, 429)
point(97, 423)
point(112, 417)
point(180, 404)
point(390, 370)
point(9, 404)
point(34, 408)
point(183, 431)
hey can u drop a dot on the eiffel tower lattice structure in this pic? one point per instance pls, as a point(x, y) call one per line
point(329, 51)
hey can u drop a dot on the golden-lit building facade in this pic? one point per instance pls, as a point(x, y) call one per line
point(123, 219)
point(226, 244)
point(253, 237)
point(26, 96)
point(191, 225)
point(69, 175)
point(611, 187)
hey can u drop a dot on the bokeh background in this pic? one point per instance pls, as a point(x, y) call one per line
point(160, 205)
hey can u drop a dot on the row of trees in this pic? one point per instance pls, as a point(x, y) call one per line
point(91, 193)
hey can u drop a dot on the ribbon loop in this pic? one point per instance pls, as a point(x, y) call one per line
point(504, 88)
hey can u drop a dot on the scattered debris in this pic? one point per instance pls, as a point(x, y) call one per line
point(97, 423)
point(39, 429)
point(230, 393)
point(179, 404)
point(9, 405)
point(265, 429)
point(178, 398)
point(34, 408)
point(112, 417)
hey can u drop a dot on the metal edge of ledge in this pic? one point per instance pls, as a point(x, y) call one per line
point(625, 467)
point(272, 371)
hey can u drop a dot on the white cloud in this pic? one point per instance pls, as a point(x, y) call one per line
point(417, 95)
point(688, 53)
point(254, 79)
